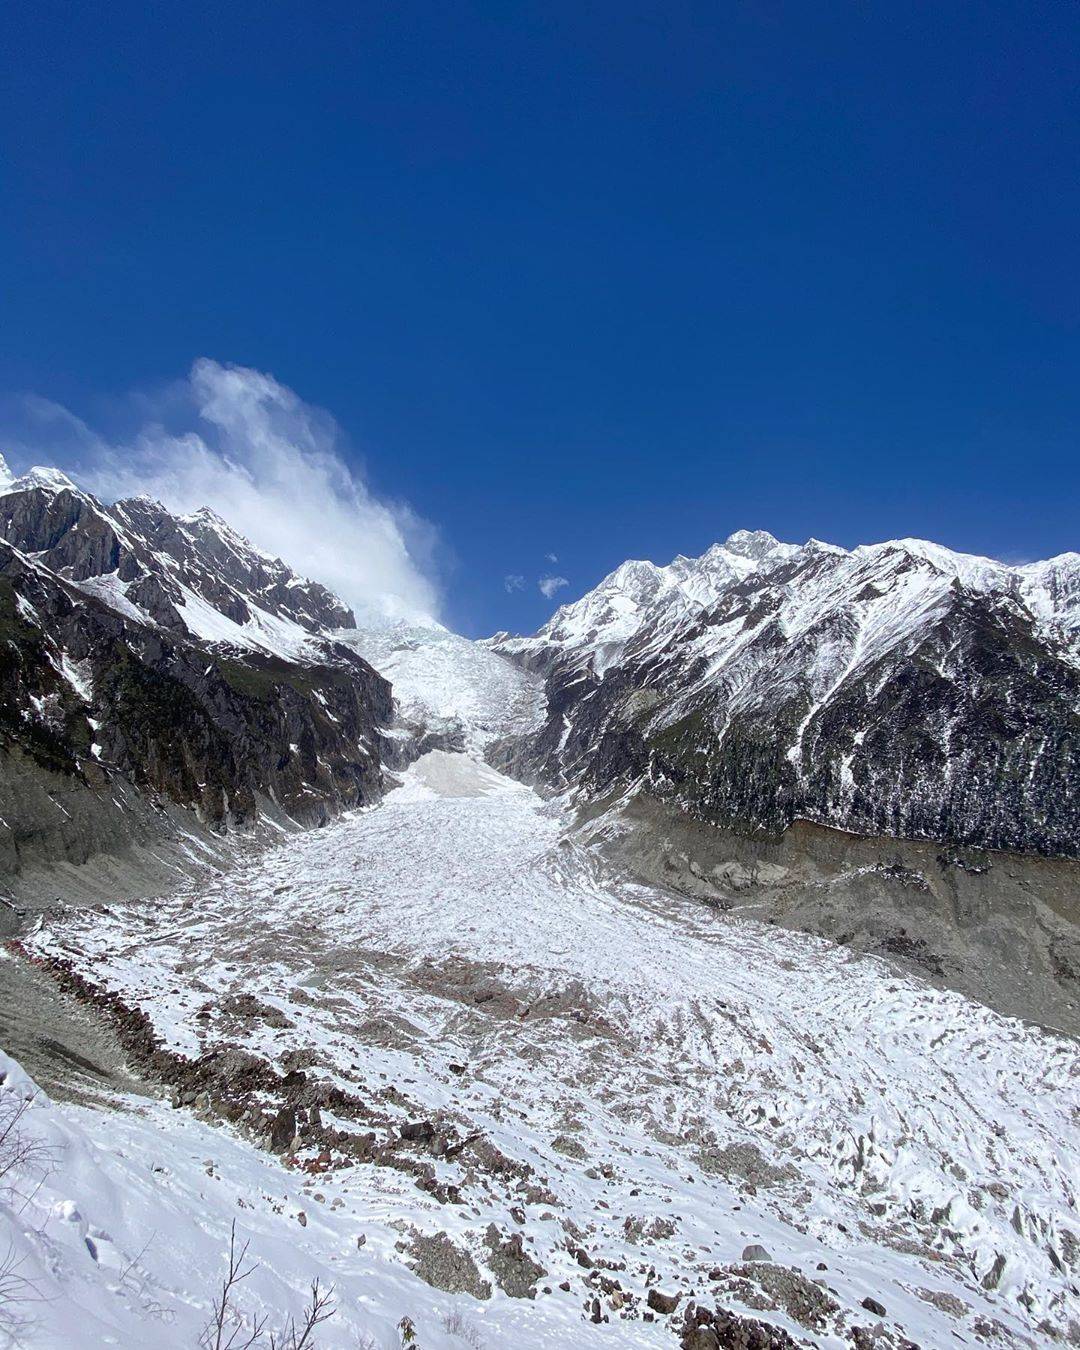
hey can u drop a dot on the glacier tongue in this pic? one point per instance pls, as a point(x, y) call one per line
point(646, 1088)
point(451, 685)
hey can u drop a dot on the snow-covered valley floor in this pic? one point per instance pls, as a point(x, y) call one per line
point(632, 1088)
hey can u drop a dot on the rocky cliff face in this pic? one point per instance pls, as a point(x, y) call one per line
point(191, 574)
point(898, 689)
point(166, 655)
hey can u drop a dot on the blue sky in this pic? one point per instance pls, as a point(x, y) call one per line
point(594, 281)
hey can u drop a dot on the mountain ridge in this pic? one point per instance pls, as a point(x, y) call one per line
point(897, 688)
point(167, 567)
point(704, 578)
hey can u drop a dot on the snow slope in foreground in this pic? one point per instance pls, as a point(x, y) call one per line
point(659, 1087)
point(116, 1231)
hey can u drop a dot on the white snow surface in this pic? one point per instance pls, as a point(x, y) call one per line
point(271, 633)
point(117, 1229)
point(652, 1061)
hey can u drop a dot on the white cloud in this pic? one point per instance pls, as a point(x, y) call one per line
point(549, 585)
point(513, 582)
point(270, 464)
point(551, 557)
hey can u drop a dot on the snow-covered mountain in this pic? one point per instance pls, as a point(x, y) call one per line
point(638, 595)
point(162, 658)
point(191, 575)
point(599, 625)
point(155, 664)
point(894, 689)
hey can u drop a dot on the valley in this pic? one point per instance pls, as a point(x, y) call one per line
point(516, 1072)
point(692, 973)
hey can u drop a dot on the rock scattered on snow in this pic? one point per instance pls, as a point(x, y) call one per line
point(443, 1264)
point(516, 1273)
point(661, 1302)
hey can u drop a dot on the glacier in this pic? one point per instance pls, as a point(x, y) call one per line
point(648, 1089)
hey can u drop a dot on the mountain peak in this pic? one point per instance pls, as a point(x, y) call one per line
point(40, 476)
point(755, 544)
point(633, 571)
point(208, 514)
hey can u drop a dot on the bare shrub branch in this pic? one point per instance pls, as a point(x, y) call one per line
point(17, 1292)
point(456, 1325)
point(25, 1162)
point(227, 1328)
point(298, 1336)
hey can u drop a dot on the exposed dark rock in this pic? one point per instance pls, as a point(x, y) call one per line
point(417, 1130)
point(248, 1008)
point(743, 1161)
point(442, 1264)
point(992, 1278)
point(662, 1303)
point(516, 1273)
point(103, 683)
point(768, 1287)
point(283, 1130)
point(720, 1329)
point(567, 1146)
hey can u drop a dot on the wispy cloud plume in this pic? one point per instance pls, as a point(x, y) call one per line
point(549, 585)
point(513, 581)
point(272, 465)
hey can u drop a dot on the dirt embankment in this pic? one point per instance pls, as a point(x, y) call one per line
point(74, 1054)
point(1002, 928)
